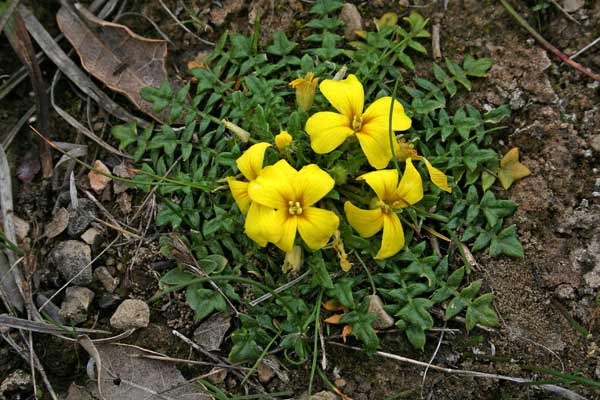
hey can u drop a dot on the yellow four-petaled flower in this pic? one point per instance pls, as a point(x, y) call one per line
point(328, 130)
point(391, 197)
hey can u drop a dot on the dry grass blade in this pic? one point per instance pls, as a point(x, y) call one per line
point(70, 69)
point(42, 327)
point(566, 393)
point(8, 289)
point(91, 349)
point(6, 203)
point(8, 12)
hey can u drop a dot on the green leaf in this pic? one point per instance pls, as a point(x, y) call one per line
point(416, 336)
point(494, 209)
point(204, 301)
point(213, 264)
point(126, 134)
point(281, 45)
point(480, 311)
point(342, 291)
point(362, 327)
point(474, 156)
point(477, 67)
point(324, 7)
point(458, 73)
point(320, 276)
point(166, 140)
point(507, 243)
point(244, 347)
point(177, 276)
point(416, 312)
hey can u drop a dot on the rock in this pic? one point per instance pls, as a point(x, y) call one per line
point(75, 306)
point(21, 227)
point(81, 217)
point(106, 279)
point(217, 375)
point(572, 5)
point(122, 171)
point(99, 180)
point(595, 142)
point(211, 332)
point(92, 236)
point(352, 20)
point(17, 381)
point(73, 258)
point(324, 395)
point(264, 372)
point(384, 320)
point(131, 314)
point(565, 291)
point(78, 393)
point(60, 221)
point(108, 300)
point(50, 309)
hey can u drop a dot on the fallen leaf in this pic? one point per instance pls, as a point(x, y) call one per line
point(334, 319)
point(21, 227)
point(99, 181)
point(332, 305)
point(387, 19)
point(28, 167)
point(124, 202)
point(59, 223)
point(211, 332)
point(127, 376)
point(511, 170)
point(347, 331)
point(121, 59)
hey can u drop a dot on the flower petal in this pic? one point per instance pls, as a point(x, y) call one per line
point(250, 163)
point(377, 150)
point(410, 189)
point(316, 226)
point(383, 182)
point(239, 190)
point(347, 96)
point(393, 237)
point(365, 222)
point(327, 130)
point(288, 225)
point(438, 178)
point(262, 225)
point(377, 116)
point(273, 188)
point(312, 184)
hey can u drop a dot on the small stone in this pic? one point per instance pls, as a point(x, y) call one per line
point(131, 314)
point(99, 180)
point(108, 300)
point(91, 236)
point(565, 291)
point(121, 171)
point(60, 221)
point(211, 332)
point(106, 279)
point(217, 375)
point(81, 217)
point(595, 142)
point(264, 372)
point(352, 20)
point(384, 320)
point(21, 227)
point(340, 382)
point(17, 381)
point(75, 306)
point(73, 259)
point(324, 395)
point(572, 5)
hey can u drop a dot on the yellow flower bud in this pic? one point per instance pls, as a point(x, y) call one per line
point(305, 90)
point(293, 260)
point(283, 139)
point(241, 133)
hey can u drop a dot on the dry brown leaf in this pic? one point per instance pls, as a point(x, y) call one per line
point(332, 305)
point(59, 223)
point(347, 331)
point(121, 59)
point(334, 319)
point(99, 181)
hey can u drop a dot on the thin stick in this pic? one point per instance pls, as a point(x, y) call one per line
point(568, 394)
point(185, 28)
point(545, 44)
point(569, 16)
point(437, 348)
point(596, 41)
point(280, 289)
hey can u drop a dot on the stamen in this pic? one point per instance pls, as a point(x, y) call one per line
point(357, 123)
point(295, 208)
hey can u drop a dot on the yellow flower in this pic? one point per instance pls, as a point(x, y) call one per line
point(250, 165)
point(283, 139)
point(328, 130)
point(391, 196)
point(305, 90)
point(292, 194)
point(405, 150)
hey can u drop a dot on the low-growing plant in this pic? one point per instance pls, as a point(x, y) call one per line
point(372, 187)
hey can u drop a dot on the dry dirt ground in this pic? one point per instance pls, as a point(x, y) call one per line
point(543, 299)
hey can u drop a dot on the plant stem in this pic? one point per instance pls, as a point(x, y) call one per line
point(373, 287)
point(313, 367)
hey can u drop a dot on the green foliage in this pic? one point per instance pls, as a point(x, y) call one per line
point(248, 86)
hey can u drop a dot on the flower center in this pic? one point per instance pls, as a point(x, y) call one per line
point(384, 207)
point(294, 208)
point(357, 123)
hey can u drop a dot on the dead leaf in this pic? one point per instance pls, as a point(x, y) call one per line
point(334, 319)
point(387, 19)
point(121, 59)
point(124, 202)
point(511, 170)
point(59, 223)
point(28, 167)
point(99, 181)
point(347, 331)
point(127, 376)
point(211, 332)
point(332, 305)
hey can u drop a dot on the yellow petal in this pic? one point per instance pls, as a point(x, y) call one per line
point(376, 149)
point(312, 184)
point(393, 237)
point(438, 178)
point(511, 169)
point(316, 226)
point(250, 163)
point(273, 188)
point(365, 222)
point(239, 190)
point(410, 189)
point(383, 182)
point(377, 116)
point(288, 225)
point(283, 139)
point(347, 96)
point(327, 130)
point(261, 225)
